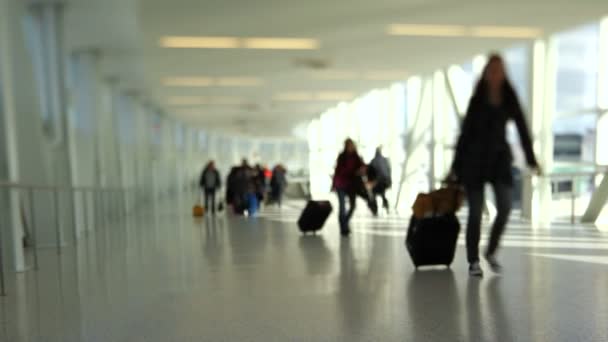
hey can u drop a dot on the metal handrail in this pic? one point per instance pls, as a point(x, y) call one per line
point(100, 203)
point(59, 187)
point(572, 176)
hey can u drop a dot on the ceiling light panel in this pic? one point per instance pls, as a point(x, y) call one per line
point(507, 32)
point(198, 100)
point(336, 75)
point(239, 82)
point(427, 30)
point(372, 75)
point(210, 81)
point(281, 43)
point(186, 101)
point(188, 82)
point(294, 96)
point(320, 96)
point(386, 75)
point(191, 42)
point(264, 43)
point(335, 96)
point(513, 32)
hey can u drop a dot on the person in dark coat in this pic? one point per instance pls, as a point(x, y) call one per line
point(241, 187)
point(278, 182)
point(349, 166)
point(379, 171)
point(210, 182)
point(483, 155)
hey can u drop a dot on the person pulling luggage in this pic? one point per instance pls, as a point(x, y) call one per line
point(349, 167)
point(483, 155)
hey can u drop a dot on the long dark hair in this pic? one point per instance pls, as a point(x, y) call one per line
point(481, 92)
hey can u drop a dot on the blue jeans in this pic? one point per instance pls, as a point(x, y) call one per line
point(343, 214)
point(475, 197)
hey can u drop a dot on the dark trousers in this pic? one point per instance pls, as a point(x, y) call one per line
point(210, 200)
point(380, 190)
point(277, 194)
point(475, 198)
point(345, 215)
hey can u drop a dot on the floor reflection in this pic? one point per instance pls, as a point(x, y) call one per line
point(433, 305)
point(165, 278)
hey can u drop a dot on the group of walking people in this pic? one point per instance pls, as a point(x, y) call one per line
point(483, 156)
point(353, 178)
point(246, 186)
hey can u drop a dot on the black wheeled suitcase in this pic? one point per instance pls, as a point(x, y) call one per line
point(432, 240)
point(314, 216)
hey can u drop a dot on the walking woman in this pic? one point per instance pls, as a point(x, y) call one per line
point(349, 166)
point(483, 156)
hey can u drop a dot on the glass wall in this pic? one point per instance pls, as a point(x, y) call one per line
point(577, 69)
point(421, 148)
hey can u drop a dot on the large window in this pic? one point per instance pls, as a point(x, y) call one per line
point(203, 141)
point(517, 60)
point(179, 136)
point(33, 31)
point(125, 121)
point(575, 137)
point(155, 129)
point(577, 61)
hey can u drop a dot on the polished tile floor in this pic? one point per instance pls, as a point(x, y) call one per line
point(167, 277)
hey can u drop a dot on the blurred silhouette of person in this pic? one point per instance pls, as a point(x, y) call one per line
point(379, 172)
point(210, 182)
point(240, 187)
point(278, 182)
point(349, 166)
point(483, 155)
point(259, 180)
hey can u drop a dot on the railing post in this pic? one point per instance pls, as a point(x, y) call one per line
point(85, 194)
point(2, 279)
point(573, 204)
point(74, 195)
point(30, 193)
point(57, 219)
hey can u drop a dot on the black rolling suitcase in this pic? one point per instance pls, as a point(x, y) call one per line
point(314, 216)
point(432, 240)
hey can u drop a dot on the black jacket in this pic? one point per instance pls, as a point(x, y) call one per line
point(483, 153)
point(218, 179)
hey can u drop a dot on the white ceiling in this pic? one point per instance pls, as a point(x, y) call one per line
point(351, 34)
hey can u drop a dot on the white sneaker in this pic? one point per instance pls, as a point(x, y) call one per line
point(475, 270)
point(494, 265)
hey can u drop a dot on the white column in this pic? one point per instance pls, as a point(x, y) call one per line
point(437, 130)
point(85, 111)
point(601, 157)
point(537, 197)
point(10, 37)
point(600, 195)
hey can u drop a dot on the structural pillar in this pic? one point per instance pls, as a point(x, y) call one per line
point(12, 53)
point(85, 92)
point(600, 195)
point(537, 197)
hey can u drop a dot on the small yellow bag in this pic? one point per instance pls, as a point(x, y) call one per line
point(198, 211)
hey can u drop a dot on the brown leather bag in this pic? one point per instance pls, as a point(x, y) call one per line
point(439, 202)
